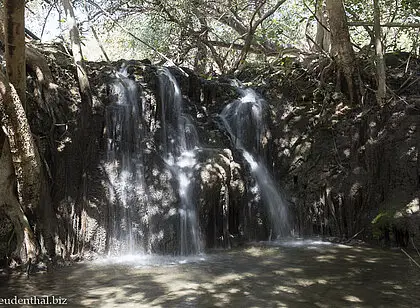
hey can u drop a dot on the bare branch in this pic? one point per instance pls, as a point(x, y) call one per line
point(316, 17)
point(269, 13)
point(253, 28)
point(95, 35)
point(217, 59)
point(386, 25)
point(45, 20)
point(257, 9)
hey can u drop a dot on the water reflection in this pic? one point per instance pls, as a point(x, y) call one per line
point(277, 274)
point(148, 260)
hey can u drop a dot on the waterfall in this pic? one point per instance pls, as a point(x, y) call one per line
point(124, 163)
point(244, 121)
point(138, 220)
point(179, 142)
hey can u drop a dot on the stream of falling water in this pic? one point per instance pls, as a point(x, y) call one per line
point(180, 139)
point(244, 121)
point(124, 165)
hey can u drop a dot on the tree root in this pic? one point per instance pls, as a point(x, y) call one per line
point(26, 246)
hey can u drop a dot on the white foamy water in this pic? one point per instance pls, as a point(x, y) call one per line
point(124, 165)
point(244, 121)
point(180, 139)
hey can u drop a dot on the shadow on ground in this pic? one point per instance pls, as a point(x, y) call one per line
point(288, 275)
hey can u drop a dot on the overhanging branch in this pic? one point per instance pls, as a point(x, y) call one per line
point(386, 25)
point(135, 36)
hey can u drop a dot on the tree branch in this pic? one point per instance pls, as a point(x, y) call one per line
point(386, 25)
point(45, 20)
point(269, 13)
point(252, 29)
point(135, 36)
point(95, 35)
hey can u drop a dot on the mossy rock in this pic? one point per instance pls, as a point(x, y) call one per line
point(381, 223)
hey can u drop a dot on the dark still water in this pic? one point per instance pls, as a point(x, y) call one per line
point(298, 273)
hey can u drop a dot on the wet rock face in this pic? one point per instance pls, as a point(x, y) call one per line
point(343, 165)
point(340, 165)
point(219, 181)
point(83, 210)
point(219, 187)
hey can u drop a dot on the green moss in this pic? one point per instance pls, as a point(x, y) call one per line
point(382, 222)
point(383, 217)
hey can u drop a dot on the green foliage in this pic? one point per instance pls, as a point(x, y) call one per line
point(413, 5)
point(383, 218)
point(180, 28)
point(152, 30)
point(381, 222)
point(396, 11)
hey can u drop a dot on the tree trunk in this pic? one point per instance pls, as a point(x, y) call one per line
point(95, 34)
point(380, 63)
point(26, 249)
point(76, 48)
point(20, 148)
point(200, 62)
point(34, 61)
point(343, 51)
point(14, 28)
point(15, 124)
point(323, 36)
point(24, 153)
point(26, 168)
point(244, 52)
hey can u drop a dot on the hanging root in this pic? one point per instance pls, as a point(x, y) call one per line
point(26, 246)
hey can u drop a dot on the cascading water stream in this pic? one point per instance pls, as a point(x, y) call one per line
point(124, 165)
point(132, 224)
point(179, 140)
point(244, 121)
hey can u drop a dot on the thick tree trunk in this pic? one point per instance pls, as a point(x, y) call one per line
point(13, 120)
point(342, 49)
point(23, 149)
point(26, 246)
point(380, 63)
point(14, 28)
point(15, 124)
point(26, 166)
point(34, 61)
point(19, 151)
